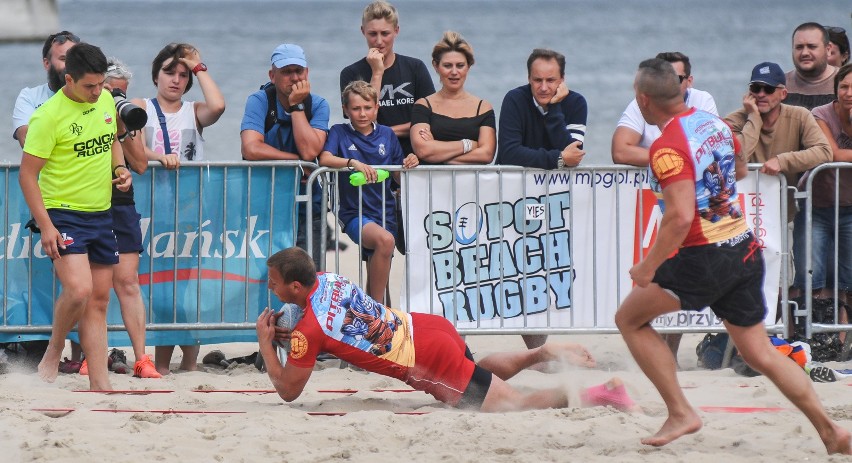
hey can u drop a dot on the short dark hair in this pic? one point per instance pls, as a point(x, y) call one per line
point(294, 264)
point(657, 79)
point(546, 54)
point(677, 57)
point(844, 71)
point(174, 51)
point(61, 37)
point(85, 58)
point(812, 26)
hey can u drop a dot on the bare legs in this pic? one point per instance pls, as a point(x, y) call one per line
point(752, 343)
point(83, 301)
point(125, 281)
point(655, 358)
point(163, 358)
point(505, 365)
point(657, 362)
point(502, 397)
point(381, 241)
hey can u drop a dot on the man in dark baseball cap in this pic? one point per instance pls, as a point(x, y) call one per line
point(768, 73)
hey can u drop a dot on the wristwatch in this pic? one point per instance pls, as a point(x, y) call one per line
point(199, 67)
point(560, 163)
point(296, 107)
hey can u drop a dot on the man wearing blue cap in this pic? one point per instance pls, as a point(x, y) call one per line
point(786, 139)
point(295, 129)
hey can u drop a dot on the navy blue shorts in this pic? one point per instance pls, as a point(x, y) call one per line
point(726, 276)
point(125, 225)
point(354, 227)
point(86, 233)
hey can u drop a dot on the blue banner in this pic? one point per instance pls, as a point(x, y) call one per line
point(207, 232)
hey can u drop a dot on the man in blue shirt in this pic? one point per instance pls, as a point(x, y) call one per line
point(297, 132)
point(542, 124)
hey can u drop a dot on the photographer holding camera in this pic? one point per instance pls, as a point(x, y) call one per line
point(173, 131)
point(173, 134)
point(125, 219)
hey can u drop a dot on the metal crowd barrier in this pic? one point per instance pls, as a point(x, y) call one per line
point(208, 229)
point(553, 259)
point(491, 188)
point(806, 197)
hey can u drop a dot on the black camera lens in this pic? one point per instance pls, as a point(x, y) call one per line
point(133, 116)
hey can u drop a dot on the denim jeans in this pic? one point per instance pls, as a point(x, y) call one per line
point(823, 244)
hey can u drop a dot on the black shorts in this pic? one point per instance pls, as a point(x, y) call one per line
point(476, 390)
point(125, 225)
point(726, 276)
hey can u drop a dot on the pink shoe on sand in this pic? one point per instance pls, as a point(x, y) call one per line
point(611, 393)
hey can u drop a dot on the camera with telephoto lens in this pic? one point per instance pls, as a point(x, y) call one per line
point(133, 116)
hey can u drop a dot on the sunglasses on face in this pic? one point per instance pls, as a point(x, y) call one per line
point(757, 88)
point(62, 38)
point(682, 78)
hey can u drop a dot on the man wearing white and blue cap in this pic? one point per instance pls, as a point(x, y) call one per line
point(294, 129)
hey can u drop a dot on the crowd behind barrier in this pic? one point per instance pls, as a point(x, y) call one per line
point(495, 249)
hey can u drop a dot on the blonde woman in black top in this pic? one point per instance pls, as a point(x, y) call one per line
point(451, 126)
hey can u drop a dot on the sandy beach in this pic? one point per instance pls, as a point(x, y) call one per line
point(234, 418)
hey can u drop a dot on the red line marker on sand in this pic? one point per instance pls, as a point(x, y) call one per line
point(236, 391)
point(169, 412)
point(127, 391)
point(353, 391)
point(344, 413)
point(741, 409)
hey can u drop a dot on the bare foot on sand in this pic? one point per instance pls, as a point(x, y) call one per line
point(48, 368)
point(673, 428)
point(840, 442)
point(570, 352)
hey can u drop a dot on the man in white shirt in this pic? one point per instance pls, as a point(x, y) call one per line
point(633, 135)
point(30, 98)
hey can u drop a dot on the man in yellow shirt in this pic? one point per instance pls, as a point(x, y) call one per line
point(71, 158)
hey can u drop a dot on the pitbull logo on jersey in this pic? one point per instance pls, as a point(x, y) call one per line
point(666, 163)
point(298, 344)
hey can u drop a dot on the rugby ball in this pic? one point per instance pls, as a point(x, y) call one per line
point(290, 315)
point(467, 223)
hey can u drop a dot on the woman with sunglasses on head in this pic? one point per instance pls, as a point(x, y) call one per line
point(173, 134)
point(838, 50)
point(452, 126)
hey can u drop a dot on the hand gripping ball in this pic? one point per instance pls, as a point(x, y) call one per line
point(290, 315)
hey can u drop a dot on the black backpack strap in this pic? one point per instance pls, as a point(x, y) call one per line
point(272, 108)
